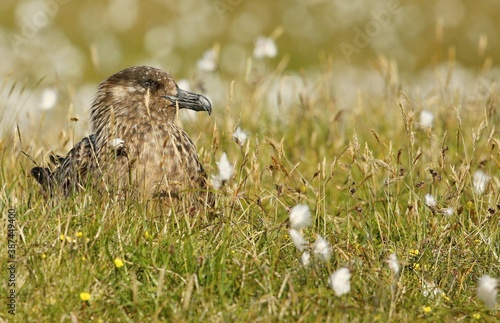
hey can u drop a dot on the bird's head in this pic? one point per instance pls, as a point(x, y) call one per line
point(143, 92)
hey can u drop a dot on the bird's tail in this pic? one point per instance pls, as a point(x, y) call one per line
point(43, 176)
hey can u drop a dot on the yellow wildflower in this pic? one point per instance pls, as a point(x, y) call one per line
point(62, 237)
point(118, 263)
point(85, 296)
point(414, 252)
point(79, 234)
point(476, 316)
point(426, 309)
point(43, 256)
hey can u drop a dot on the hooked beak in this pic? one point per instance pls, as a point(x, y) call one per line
point(190, 100)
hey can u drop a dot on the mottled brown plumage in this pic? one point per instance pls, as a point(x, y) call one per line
point(136, 145)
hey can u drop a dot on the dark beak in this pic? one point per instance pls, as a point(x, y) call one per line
point(190, 100)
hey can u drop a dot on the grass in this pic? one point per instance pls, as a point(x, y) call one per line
point(363, 171)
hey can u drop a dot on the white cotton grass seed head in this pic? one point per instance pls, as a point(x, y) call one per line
point(426, 119)
point(300, 217)
point(117, 143)
point(430, 290)
point(208, 63)
point(240, 136)
point(480, 181)
point(487, 290)
point(340, 281)
point(225, 168)
point(393, 263)
point(305, 259)
point(48, 99)
point(216, 182)
point(264, 47)
point(430, 201)
point(448, 211)
point(225, 172)
point(298, 240)
point(322, 249)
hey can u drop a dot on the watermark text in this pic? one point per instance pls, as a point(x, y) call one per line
point(363, 36)
point(32, 25)
point(11, 261)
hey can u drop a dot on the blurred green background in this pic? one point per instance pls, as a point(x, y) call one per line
point(68, 46)
point(88, 40)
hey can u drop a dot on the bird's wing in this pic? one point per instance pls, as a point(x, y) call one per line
point(72, 170)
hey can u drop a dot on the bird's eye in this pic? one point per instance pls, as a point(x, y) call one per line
point(150, 84)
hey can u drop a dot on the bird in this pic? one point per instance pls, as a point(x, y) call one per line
point(136, 146)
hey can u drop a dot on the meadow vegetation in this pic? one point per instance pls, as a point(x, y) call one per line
point(364, 172)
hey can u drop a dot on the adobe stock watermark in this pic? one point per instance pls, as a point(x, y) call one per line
point(362, 38)
point(32, 25)
point(223, 7)
point(11, 261)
